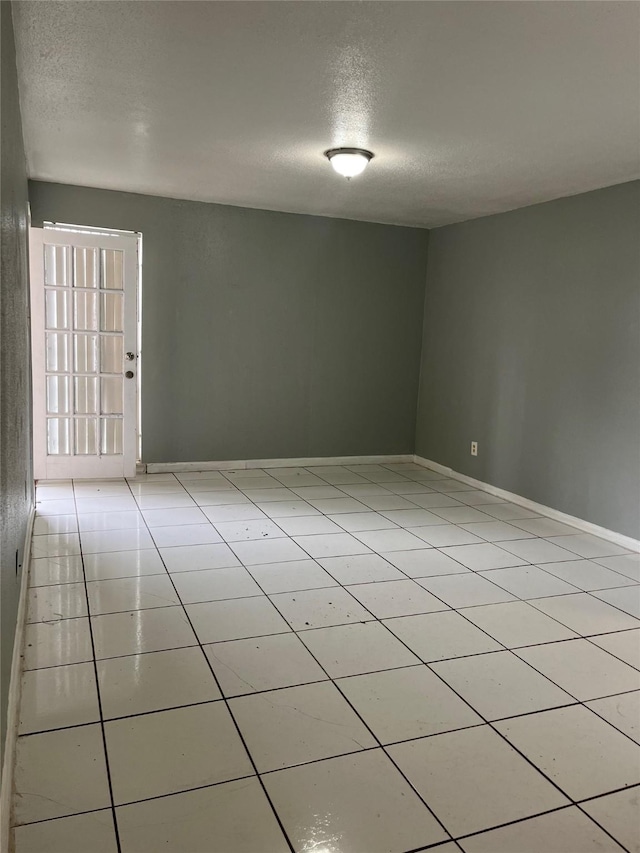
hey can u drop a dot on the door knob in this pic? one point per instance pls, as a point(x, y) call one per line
point(129, 374)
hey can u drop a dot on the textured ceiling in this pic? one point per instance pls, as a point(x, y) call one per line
point(470, 107)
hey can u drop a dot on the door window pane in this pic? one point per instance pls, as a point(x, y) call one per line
point(86, 395)
point(58, 436)
point(112, 269)
point(85, 310)
point(111, 439)
point(56, 314)
point(58, 400)
point(85, 353)
point(56, 266)
point(86, 436)
point(111, 397)
point(111, 353)
point(58, 346)
point(85, 267)
point(112, 312)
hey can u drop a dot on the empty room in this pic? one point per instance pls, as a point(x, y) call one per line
point(320, 426)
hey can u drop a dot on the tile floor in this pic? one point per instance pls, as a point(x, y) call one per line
point(364, 658)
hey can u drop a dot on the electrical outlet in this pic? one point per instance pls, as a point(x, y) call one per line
point(474, 448)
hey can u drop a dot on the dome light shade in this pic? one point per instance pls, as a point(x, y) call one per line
point(348, 162)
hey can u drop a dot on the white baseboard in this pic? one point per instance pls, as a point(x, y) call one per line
point(556, 515)
point(13, 703)
point(302, 462)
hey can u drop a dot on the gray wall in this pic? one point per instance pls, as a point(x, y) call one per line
point(15, 422)
point(266, 334)
point(532, 348)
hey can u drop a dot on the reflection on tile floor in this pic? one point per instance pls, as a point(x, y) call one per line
point(365, 658)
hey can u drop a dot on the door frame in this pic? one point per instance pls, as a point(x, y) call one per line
point(47, 467)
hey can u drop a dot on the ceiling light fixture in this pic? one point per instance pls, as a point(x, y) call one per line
point(348, 162)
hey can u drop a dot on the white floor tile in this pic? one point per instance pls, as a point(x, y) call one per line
point(176, 515)
point(49, 603)
point(544, 527)
point(496, 531)
point(63, 641)
point(219, 497)
point(123, 564)
point(432, 499)
point(442, 535)
point(268, 551)
point(141, 631)
point(400, 704)
point(618, 813)
point(355, 521)
point(621, 711)
point(91, 521)
point(331, 545)
point(319, 608)
point(298, 724)
point(389, 540)
point(103, 541)
point(55, 507)
point(185, 535)
point(588, 546)
point(581, 753)
point(48, 524)
point(171, 751)
point(125, 594)
point(308, 525)
point(508, 512)
point(337, 506)
point(500, 685)
point(367, 804)
point(483, 556)
point(324, 491)
point(246, 531)
point(462, 515)
point(473, 780)
point(585, 614)
point(440, 636)
point(587, 575)
point(49, 571)
point(291, 576)
point(261, 496)
point(137, 684)
point(265, 663)
point(528, 582)
point(517, 623)
point(234, 816)
point(424, 563)
point(75, 834)
point(556, 832)
point(450, 485)
point(381, 503)
point(624, 645)
point(359, 490)
point(60, 773)
point(121, 503)
point(233, 512)
point(55, 545)
point(58, 697)
point(215, 585)
point(360, 569)
point(386, 599)
point(626, 564)
point(582, 669)
point(539, 550)
point(165, 501)
point(287, 509)
point(412, 517)
point(626, 599)
point(464, 590)
point(236, 619)
point(355, 649)
point(190, 558)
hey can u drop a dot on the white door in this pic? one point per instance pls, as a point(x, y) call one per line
point(85, 356)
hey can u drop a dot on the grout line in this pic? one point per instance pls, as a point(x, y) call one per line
point(98, 695)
